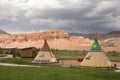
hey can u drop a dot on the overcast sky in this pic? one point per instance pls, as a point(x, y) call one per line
point(20, 16)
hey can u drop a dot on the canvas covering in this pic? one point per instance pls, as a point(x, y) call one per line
point(96, 46)
point(96, 59)
point(45, 55)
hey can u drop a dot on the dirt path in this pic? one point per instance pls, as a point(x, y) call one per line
point(7, 56)
point(62, 63)
point(69, 63)
point(76, 63)
point(10, 64)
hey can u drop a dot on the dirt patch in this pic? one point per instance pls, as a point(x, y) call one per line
point(75, 63)
point(69, 63)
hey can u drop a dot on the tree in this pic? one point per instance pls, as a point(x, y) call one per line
point(0, 50)
point(84, 52)
point(15, 53)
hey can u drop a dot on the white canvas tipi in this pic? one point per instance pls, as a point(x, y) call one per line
point(96, 57)
point(45, 55)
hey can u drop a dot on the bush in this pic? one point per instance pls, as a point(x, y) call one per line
point(113, 53)
point(84, 52)
point(0, 50)
point(15, 53)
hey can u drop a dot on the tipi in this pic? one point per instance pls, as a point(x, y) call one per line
point(96, 57)
point(45, 55)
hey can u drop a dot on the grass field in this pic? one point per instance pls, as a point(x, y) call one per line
point(55, 73)
point(61, 55)
point(2, 55)
point(69, 55)
point(114, 58)
point(74, 55)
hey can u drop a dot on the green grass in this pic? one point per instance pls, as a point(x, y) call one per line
point(55, 73)
point(60, 55)
point(69, 55)
point(114, 58)
point(24, 61)
point(74, 55)
point(17, 60)
point(2, 55)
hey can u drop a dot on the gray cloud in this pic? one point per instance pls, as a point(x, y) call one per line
point(69, 15)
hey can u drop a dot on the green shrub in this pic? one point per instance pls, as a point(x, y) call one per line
point(15, 53)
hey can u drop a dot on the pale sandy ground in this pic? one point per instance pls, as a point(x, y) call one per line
point(74, 63)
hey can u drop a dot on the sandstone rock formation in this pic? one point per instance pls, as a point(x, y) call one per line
point(57, 39)
point(3, 34)
point(111, 44)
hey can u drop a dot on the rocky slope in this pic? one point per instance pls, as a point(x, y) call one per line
point(111, 44)
point(113, 34)
point(3, 34)
point(57, 39)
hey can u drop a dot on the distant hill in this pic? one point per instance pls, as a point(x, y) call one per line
point(75, 34)
point(89, 36)
point(3, 32)
point(113, 34)
point(58, 39)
